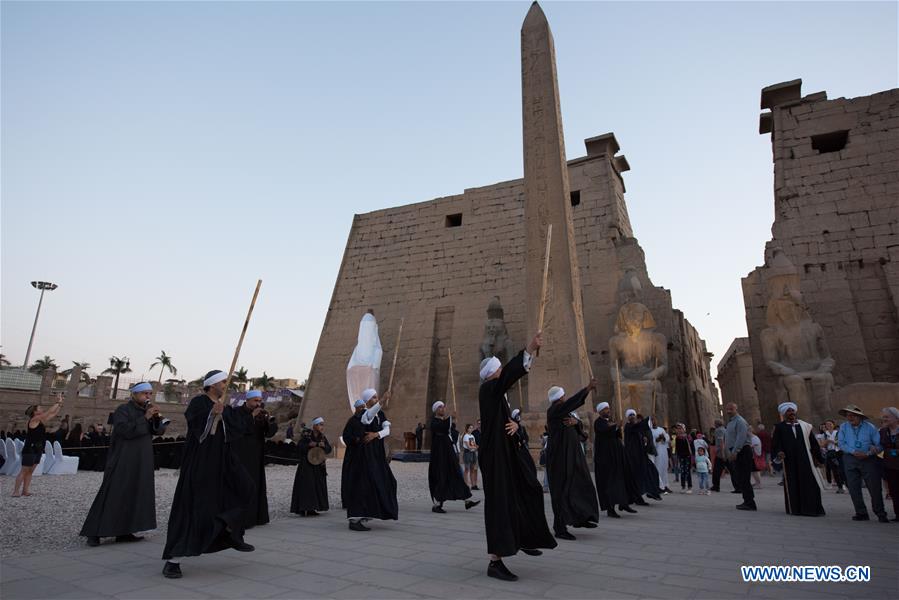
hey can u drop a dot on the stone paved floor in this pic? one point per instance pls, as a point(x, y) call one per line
point(684, 547)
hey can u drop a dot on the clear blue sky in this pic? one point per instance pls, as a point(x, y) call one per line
point(158, 157)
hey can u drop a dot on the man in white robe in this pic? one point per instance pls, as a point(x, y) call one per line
point(661, 439)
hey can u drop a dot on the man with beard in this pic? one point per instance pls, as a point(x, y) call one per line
point(615, 483)
point(368, 487)
point(513, 498)
point(570, 487)
point(637, 445)
point(213, 489)
point(445, 479)
point(248, 427)
point(126, 501)
point(310, 484)
point(802, 481)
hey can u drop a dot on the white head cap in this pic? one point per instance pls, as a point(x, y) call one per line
point(317, 421)
point(437, 405)
point(368, 393)
point(554, 393)
point(489, 366)
point(630, 412)
point(601, 406)
point(785, 406)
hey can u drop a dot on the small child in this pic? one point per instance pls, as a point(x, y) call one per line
point(703, 466)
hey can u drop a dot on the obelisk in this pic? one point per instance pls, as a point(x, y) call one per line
point(546, 200)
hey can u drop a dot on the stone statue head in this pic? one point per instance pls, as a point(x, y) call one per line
point(784, 310)
point(496, 336)
point(633, 318)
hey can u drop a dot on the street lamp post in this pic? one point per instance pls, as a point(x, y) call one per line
point(43, 286)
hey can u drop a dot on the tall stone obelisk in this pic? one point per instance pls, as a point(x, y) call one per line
point(561, 361)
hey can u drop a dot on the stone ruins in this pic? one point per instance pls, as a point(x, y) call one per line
point(440, 264)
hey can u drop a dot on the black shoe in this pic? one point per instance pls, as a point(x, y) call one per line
point(745, 506)
point(93, 541)
point(438, 509)
point(498, 570)
point(714, 490)
point(130, 537)
point(311, 513)
point(358, 526)
point(668, 491)
point(611, 512)
point(471, 503)
point(171, 570)
point(641, 502)
point(780, 483)
point(242, 546)
point(627, 509)
point(654, 497)
point(588, 525)
point(532, 551)
point(883, 519)
point(861, 518)
point(565, 536)
point(474, 487)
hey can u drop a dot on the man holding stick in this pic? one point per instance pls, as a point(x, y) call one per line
point(213, 489)
point(445, 479)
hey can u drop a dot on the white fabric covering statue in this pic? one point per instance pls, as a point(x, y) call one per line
point(364, 368)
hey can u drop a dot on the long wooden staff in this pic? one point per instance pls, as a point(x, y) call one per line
point(783, 465)
point(618, 390)
point(653, 413)
point(582, 342)
point(396, 351)
point(243, 332)
point(549, 238)
point(520, 397)
point(452, 379)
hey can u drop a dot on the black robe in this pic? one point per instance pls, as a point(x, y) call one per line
point(445, 478)
point(310, 484)
point(126, 501)
point(615, 484)
point(523, 452)
point(247, 437)
point(367, 485)
point(637, 441)
point(213, 489)
point(800, 482)
point(570, 486)
point(513, 497)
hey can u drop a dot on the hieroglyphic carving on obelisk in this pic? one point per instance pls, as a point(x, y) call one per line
point(547, 201)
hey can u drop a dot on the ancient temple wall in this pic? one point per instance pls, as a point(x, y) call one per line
point(836, 171)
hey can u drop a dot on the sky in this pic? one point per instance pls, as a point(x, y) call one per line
point(156, 158)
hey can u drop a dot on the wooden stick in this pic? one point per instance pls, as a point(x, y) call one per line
point(549, 237)
point(452, 378)
point(783, 466)
point(618, 390)
point(243, 332)
point(653, 413)
point(396, 351)
point(581, 341)
point(520, 397)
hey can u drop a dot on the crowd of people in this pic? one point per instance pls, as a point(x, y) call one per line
point(221, 490)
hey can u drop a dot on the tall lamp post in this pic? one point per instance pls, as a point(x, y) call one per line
point(43, 286)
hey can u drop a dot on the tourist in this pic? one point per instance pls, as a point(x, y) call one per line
point(859, 440)
point(615, 485)
point(795, 446)
point(700, 442)
point(35, 436)
point(544, 443)
point(833, 457)
point(126, 500)
point(572, 494)
point(213, 488)
point(889, 441)
point(470, 457)
point(703, 467)
point(739, 455)
point(249, 425)
point(513, 502)
point(720, 463)
point(310, 484)
point(684, 459)
point(368, 487)
point(637, 445)
point(75, 437)
point(62, 431)
point(758, 461)
point(765, 437)
point(445, 479)
point(661, 441)
point(419, 436)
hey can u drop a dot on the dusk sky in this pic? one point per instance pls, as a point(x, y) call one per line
point(159, 157)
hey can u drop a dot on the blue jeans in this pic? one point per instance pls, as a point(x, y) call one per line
point(703, 481)
point(686, 478)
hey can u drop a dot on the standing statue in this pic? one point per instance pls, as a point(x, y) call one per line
point(638, 355)
point(496, 337)
point(793, 345)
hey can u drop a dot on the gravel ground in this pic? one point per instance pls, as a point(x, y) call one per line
point(52, 517)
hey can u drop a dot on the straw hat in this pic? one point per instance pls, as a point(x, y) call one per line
point(852, 408)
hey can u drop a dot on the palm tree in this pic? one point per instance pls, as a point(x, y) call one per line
point(265, 382)
point(165, 362)
point(42, 365)
point(85, 376)
point(3, 361)
point(117, 366)
point(239, 377)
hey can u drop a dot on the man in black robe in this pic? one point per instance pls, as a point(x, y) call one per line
point(310, 484)
point(445, 479)
point(368, 487)
point(513, 498)
point(419, 436)
point(570, 486)
point(637, 442)
point(126, 501)
point(248, 427)
point(213, 488)
point(615, 484)
point(795, 444)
